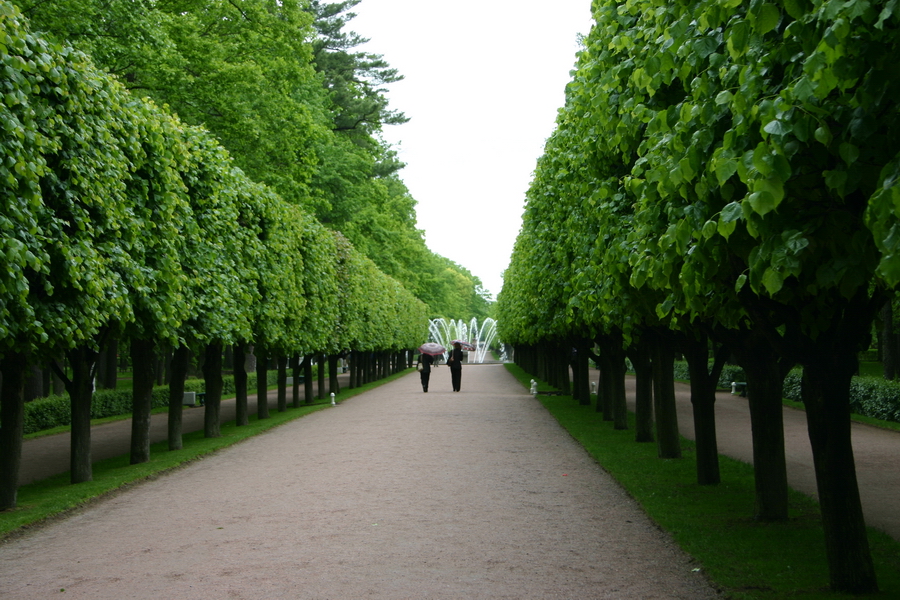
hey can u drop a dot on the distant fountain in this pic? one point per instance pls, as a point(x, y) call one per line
point(443, 332)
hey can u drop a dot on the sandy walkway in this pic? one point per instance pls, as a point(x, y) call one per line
point(393, 494)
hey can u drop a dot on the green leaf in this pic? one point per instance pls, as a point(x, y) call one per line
point(725, 168)
point(823, 134)
point(741, 281)
point(849, 153)
point(773, 281)
point(738, 38)
point(776, 127)
point(767, 19)
point(795, 8)
point(762, 202)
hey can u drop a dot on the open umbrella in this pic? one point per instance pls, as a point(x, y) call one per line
point(432, 348)
point(465, 345)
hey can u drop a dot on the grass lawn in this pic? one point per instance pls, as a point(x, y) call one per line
point(746, 559)
point(54, 496)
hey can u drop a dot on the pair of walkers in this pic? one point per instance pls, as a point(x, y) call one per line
point(454, 362)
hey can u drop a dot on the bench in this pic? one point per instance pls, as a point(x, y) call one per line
point(739, 388)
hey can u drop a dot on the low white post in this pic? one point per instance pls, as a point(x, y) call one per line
point(332, 399)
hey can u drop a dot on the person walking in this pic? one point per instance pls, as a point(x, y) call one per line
point(455, 364)
point(425, 360)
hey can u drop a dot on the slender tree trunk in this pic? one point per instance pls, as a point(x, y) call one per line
point(83, 361)
point(333, 385)
point(826, 388)
point(241, 410)
point(607, 384)
point(212, 375)
point(639, 353)
point(619, 398)
point(309, 395)
point(12, 418)
point(262, 383)
point(178, 369)
point(765, 390)
point(321, 361)
point(581, 377)
point(296, 374)
point(353, 371)
point(143, 360)
point(282, 382)
point(668, 441)
point(703, 401)
point(58, 385)
point(34, 383)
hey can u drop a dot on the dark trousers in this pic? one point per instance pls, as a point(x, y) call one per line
point(426, 375)
point(456, 377)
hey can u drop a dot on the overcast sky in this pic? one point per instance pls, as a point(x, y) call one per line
point(483, 82)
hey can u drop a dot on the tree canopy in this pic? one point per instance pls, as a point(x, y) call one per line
point(719, 166)
point(282, 86)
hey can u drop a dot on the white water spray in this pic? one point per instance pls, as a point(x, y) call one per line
point(443, 332)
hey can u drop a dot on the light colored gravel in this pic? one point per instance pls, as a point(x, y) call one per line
point(394, 494)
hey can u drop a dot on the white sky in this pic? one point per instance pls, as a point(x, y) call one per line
point(483, 82)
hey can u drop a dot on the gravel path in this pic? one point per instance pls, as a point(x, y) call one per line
point(393, 494)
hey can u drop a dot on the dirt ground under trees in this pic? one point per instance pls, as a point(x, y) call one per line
point(393, 494)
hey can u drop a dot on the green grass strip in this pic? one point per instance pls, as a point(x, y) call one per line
point(744, 558)
point(52, 497)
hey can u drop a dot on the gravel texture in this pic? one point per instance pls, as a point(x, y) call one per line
point(393, 494)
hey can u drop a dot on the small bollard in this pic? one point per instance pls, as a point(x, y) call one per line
point(593, 387)
point(534, 389)
point(332, 399)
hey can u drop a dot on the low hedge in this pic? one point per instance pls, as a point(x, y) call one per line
point(869, 396)
point(54, 411)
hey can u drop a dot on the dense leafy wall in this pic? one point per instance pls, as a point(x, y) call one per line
point(117, 214)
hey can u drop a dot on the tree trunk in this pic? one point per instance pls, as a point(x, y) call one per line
point(765, 391)
point(178, 369)
point(668, 441)
point(309, 395)
point(353, 374)
point(83, 361)
point(296, 374)
point(143, 360)
point(639, 354)
point(212, 374)
point(333, 385)
point(58, 386)
point(607, 384)
point(581, 376)
point(13, 365)
point(826, 386)
point(320, 361)
point(282, 382)
point(34, 383)
point(262, 383)
point(241, 410)
point(703, 402)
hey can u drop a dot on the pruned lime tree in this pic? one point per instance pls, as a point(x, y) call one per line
point(118, 219)
point(756, 144)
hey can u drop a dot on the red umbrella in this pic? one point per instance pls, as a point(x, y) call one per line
point(432, 348)
point(465, 345)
